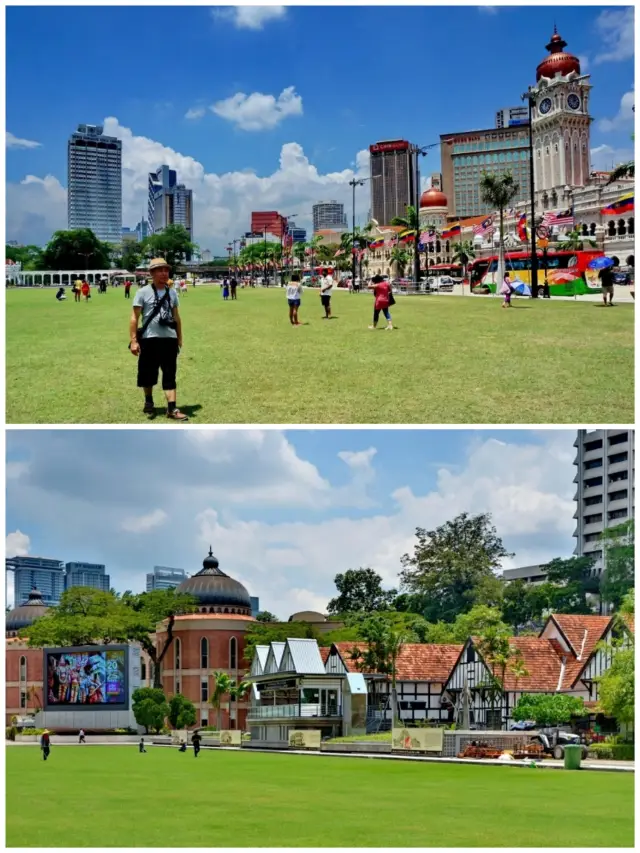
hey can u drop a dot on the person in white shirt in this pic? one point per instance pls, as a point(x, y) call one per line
point(326, 289)
point(294, 297)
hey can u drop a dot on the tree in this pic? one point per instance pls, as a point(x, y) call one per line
point(266, 616)
point(624, 170)
point(574, 579)
point(360, 590)
point(182, 712)
point(150, 708)
point(448, 563)
point(300, 252)
point(131, 257)
point(400, 257)
point(548, 709)
point(262, 634)
point(498, 191)
point(29, 257)
point(464, 251)
point(84, 617)
point(619, 560)
point(237, 691)
point(411, 221)
point(77, 249)
point(172, 243)
point(617, 687)
point(524, 603)
point(575, 241)
point(221, 686)
point(479, 621)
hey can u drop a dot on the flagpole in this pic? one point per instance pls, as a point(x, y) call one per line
point(534, 258)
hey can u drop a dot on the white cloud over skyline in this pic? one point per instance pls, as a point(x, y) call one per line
point(12, 141)
point(250, 17)
point(257, 111)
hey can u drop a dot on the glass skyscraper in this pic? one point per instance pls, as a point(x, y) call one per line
point(170, 203)
point(87, 574)
point(95, 182)
point(163, 577)
point(44, 574)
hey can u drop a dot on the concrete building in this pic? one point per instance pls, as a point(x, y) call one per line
point(169, 203)
point(142, 230)
point(329, 215)
point(605, 494)
point(87, 574)
point(528, 574)
point(94, 198)
point(39, 573)
point(163, 577)
point(392, 171)
point(298, 235)
point(270, 221)
point(512, 116)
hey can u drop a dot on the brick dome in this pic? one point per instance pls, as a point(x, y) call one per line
point(433, 198)
point(558, 62)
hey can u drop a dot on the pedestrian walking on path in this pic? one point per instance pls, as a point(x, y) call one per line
point(81, 736)
point(141, 747)
point(195, 740)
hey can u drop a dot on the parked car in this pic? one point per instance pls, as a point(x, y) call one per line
point(440, 283)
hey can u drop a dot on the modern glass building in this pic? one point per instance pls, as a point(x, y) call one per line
point(39, 572)
point(329, 215)
point(163, 577)
point(95, 182)
point(87, 574)
point(392, 173)
point(170, 203)
point(255, 605)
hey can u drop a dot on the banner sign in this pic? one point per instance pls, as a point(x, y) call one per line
point(305, 738)
point(421, 740)
point(380, 147)
point(283, 684)
point(230, 737)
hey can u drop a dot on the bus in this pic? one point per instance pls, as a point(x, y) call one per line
point(566, 271)
point(453, 271)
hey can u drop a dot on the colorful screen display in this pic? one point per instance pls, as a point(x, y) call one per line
point(86, 678)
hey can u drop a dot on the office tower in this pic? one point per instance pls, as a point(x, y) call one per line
point(170, 203)
point(142, 230)
point(298, 235)
point(268, 220)
point(255, 605)
point(87, 574)
point(605, 463)
point(392, 179)
point(39, 572)
point(163, 577)
point(329, 216)
point(95, 182)
point(512, 117)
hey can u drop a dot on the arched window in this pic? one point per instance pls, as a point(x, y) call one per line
point(233, 653)
point(592, 229)
point(612, 229)
point(585, 229)
point(204, 653)
point(631, 226)
point(622, 228)
point(143, 671)
point(177, 653)
point(23, 668)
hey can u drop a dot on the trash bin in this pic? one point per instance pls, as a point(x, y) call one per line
point(572, 756)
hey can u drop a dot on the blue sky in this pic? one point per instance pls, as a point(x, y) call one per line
point(327, 81)
point(284, 511)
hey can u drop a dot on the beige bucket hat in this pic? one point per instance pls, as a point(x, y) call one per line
point(156, 263)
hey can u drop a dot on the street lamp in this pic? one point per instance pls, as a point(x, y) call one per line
point(353, 183)
point(416, 150)
point(529, 97)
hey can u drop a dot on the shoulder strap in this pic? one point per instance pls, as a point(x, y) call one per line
point(156, 309)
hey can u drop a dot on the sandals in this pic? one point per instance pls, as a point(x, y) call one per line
point(177, 415)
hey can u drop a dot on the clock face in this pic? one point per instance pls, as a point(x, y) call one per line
point(545, 106)
point(573, 102)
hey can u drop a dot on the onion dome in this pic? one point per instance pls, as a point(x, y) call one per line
point(215, 591)
point(27, 613)
point(558, 62)
point(433, 198)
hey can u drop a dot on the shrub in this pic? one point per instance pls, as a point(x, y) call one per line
point(11, 732)
point(612, 751)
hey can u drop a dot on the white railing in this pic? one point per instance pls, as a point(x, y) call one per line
point(304, 709)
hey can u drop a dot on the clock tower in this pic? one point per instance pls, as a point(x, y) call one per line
point(560, 127)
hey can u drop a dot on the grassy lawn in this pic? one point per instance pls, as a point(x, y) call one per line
point(229, 799)
point(450, 360)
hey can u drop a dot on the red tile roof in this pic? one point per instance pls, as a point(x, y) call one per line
point(416, 661)
point(541, 660)
point(582, 631)
point(324, 653)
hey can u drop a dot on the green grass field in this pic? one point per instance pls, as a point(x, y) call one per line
point(450, 360)
point(104, 796)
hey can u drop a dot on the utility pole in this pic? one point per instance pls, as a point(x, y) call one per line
point(529, 96)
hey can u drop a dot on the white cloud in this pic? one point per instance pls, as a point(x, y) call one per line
point(195, 112)
point(584, 63)
point(36, 207)
point(15, 470)
point(14, 142)
point(17, 544)
point(624, 117)
point(488, 10)
point(615, 30)
point(250, 17)
point(144, 523)
point(605, 157)
point(258, 111)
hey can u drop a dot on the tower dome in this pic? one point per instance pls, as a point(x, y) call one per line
point(26, 614)
point(558, 62)
point(215, 591)
point(433, 198)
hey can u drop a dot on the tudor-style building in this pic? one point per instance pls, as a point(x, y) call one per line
point(620, 632)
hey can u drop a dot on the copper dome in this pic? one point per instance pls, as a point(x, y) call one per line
point(27, 613)
point(433, 198)
point(558, 62)
point(214, 589)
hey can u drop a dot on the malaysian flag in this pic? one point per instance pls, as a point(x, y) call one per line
point(428, 236)
point(484, 227)
point(558, 217)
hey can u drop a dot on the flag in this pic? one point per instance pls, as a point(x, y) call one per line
point(622, 205)
point(338, 253)
point(523, 231)
point(485, 227)
point(407, 237)
point(428, 236)
point(558, 217)
point(391, 241)
point(377, 243)
point(451, 232)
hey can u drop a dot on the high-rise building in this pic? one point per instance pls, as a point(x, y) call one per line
point(255, 605)
point(392, 170)
point(605, 463)
point(298, 235)
point(128, 236)
point(94, 197)
point(39, 572)
point(329, 215)
point(87, 574)
point(170, 203)
point(268, 220)
point(163, 577)
point(466, 156)
point(512, 117)
point(142, 230)
point(435, 181)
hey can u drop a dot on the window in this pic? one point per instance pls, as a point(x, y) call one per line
point(616, 513)
point(23, 698)
point(618, 457)
point(592, 519)
point(619, 439)
point(143, 671)
point(620, 476)
point(593, 463)
point(471, 654)
point(593, 482)
point(23, 669)
point(593, 445)
point(597, 499)
point(204, 653)
point(177, 653)
point(622, 495)
point(233, 653)
point(204, 690)
point(592, 537)
point(204, 721)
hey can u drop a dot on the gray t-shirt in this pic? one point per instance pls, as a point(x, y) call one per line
point(145, 299)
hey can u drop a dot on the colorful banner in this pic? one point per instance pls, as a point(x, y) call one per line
point(420, 740)
point(451, 232)
point(622, 205)
point(230, 737)
point(305, 738)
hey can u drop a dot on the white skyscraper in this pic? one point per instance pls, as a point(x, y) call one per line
point(95, 182)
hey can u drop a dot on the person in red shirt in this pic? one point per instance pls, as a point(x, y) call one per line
point(85, 290)
point(383, 299)
point(127, 289)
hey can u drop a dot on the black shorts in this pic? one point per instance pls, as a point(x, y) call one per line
point(158, 354)
point(326, 299)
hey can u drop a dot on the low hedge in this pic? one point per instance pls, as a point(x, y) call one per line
point(613, 751)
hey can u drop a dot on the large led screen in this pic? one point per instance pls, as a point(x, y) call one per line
point(86, 678)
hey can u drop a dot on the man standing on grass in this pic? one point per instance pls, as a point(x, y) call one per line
point(606, 280)
point(195, 740)
point(159, 339)
point(45, 744)
point(326, 289)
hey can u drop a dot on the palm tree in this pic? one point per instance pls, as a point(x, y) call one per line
point(237, 691)
point(624, 170)
point(498, 191)
point(400, 257)
point(299, 251)
point(223, 684)
point(464, 252)
point(411, 221)
point(574, 241)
